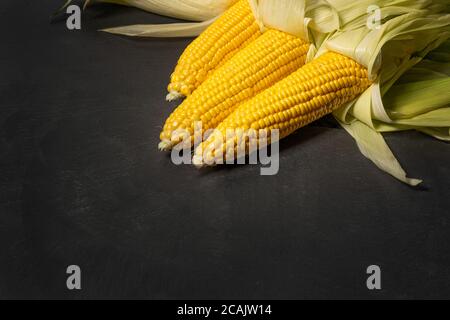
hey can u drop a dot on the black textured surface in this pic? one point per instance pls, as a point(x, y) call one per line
point(82, 183)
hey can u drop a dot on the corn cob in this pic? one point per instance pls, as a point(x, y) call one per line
point(308, 94)
point(270, 58)
point(234, 30)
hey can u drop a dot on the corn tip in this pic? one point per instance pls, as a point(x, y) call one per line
point(174, 95)
point(165, 145)
point(197, 161)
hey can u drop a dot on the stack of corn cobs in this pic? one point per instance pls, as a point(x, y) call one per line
point(266, 65)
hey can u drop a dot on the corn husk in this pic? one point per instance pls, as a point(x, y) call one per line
point(204, 12)
point(294, 16)
point(317, 20)
point(193, 10)
point(310, 20)
point(171, 30)
point(420, 100)
point(284, 15)
point(408, 91)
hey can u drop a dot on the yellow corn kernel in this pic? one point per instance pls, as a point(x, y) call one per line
point(316, 89)
point(270, 58)
point(234, 30)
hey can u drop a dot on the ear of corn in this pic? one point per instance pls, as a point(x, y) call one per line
point(308, 94)
point(265, 61)
point(369, 58)
point(234, 30)
point(237, 27)
point(270, 58)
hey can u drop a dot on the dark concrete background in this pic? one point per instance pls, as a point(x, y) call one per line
point(82, 183)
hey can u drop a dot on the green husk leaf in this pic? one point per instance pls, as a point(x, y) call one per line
point(409, 92)
point(409, 100)
point(191, 29)
point(373, 146)
point(438, 133)
point(201, 12)
point(193, 10)
point(296, 17)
